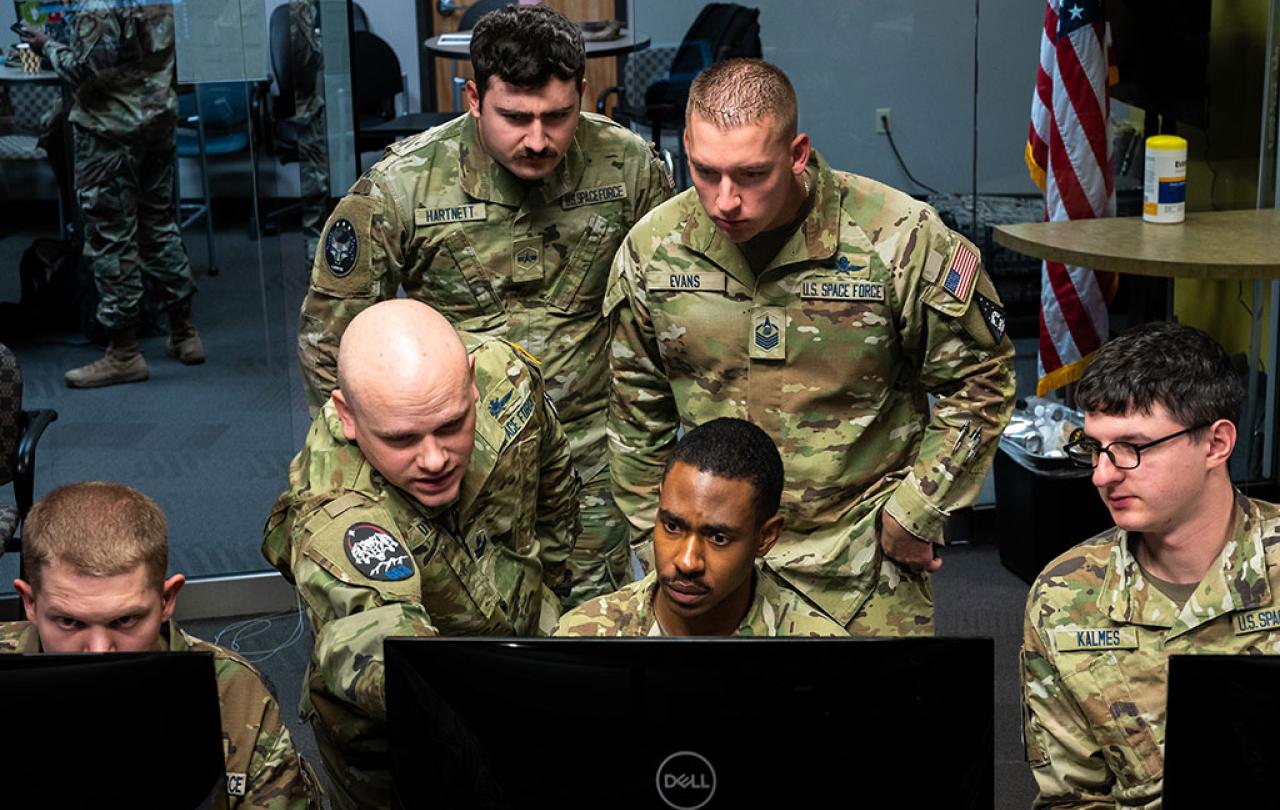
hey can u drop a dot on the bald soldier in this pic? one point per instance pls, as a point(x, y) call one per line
point(435, 496)
point(717, 515)
point(505, 220)
point(825, 307)
point(96, 555)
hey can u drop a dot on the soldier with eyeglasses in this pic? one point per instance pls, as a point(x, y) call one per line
point(1191, 566)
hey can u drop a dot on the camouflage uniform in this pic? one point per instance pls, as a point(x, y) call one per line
point(440, 218)
point(1095, 653)
point(120, 67)
point(263, 769)
point(370, 562)
point(307, 58)
point(774, 611)
point(870, 305)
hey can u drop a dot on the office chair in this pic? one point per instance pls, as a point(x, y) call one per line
point(20, 432)
point(213, 119)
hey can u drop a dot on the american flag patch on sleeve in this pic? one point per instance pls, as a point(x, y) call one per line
point(959, 278)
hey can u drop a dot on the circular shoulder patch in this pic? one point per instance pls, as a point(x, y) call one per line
point(376, 553)
point(341, 247)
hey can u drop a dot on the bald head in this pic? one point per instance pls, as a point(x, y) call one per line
point(406, 397)
point(399, 345)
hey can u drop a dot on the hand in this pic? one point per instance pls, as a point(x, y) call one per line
point(36, 39)
point(905, 548)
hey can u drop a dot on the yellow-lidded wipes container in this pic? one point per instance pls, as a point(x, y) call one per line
point(1164, 187)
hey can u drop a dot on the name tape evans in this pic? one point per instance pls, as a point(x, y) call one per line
point(656, 280)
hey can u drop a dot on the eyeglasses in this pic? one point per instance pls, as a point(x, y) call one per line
point(1084, 452)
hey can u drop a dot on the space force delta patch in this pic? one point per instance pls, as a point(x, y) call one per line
point(1110, 638)
point(591, 196)
point(376, 553)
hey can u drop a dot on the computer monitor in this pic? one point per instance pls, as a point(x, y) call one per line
point(688, 724)
point(1221, 745)
point(111, 730)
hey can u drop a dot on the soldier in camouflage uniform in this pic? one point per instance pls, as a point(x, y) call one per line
point(120, 68)
point(824, 307)
point(718, 514)
point(435, 495)
point(309, 112)
point(96, 550)
point(505, 220)
point(1192, 567)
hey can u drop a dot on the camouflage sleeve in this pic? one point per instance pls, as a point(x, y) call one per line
point(642, 419)
point(558, 522)
point(357, 264)
point(352, 613)
point(591, 618)
point(278, 777)
point(95, 46)
point(1065, 760)
point(956, 321)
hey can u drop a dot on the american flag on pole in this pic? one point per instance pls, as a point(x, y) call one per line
point(1069, 155)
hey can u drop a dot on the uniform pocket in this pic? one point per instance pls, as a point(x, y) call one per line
point(1121, 699)
point(460, 284)
point(580, 284)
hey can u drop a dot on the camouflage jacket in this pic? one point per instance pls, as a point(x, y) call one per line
point(263, 769)
point(871, 305)
point(1095, 653)
point(119, 65)
point(370, 562)
point(629, 611)
point(440, 218)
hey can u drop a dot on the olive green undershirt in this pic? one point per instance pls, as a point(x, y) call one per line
point(1177, 592)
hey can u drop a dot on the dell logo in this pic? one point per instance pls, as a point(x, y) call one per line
point(686, 780)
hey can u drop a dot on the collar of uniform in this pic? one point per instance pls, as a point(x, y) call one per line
point(19, 637)
point(761, 618)
point(484, 178)
point(819, 235)
point(173, 639)
point(1237, 580)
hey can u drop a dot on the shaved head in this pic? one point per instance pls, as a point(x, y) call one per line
point(406, 396)
point(398, 345)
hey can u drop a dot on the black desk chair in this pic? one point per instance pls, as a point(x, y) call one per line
point(20, 431)
point(376, 81)
point(720, 31)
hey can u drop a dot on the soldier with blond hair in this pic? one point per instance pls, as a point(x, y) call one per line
point(96, 554)
point(825, 307)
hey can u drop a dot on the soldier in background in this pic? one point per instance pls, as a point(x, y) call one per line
point(435, 495)
point(824, 307)
point(717, 514)
point(309, 112)
point(505, 220)
point(96, 557)
point(1192, 566)
point(120, 68)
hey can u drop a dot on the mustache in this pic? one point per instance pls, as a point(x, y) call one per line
point(529, 154)
point(686, 585)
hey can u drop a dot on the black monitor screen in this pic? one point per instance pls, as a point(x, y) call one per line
point(689, 723)
point(1221, 745)
point(111, 730)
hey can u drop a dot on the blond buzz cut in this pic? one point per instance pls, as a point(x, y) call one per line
point(97, 529)
point(739, 92)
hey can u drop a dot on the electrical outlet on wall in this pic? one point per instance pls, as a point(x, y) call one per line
point(882, 120)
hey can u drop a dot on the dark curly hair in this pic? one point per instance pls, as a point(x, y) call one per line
point(739, 451)
point(1177, 366)
point(526, 46)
